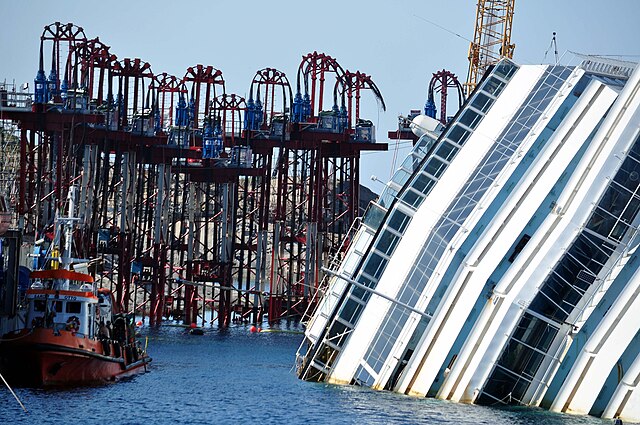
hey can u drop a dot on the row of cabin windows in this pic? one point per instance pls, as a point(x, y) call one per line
point(454, 139)
point(73, 307)
point(451, 143)
point(526, 116)
point(423, 181)
point(464, 203)
point(415, 193)
point(409, 166)
point(566, 285)
point(481, 179)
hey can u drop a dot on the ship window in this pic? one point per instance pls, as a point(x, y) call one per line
point(503, 387)
point(363, 377)
point(458, 135)
point(482, 102)
point(73, 307)
point(493, 86)
point(411, 163)
point(38, 306)
point(387, 242)
point(505, 69)
point(423, 183)
point(387, 197)
point(446, 151)
point(360, 293)
point(412, 198)
point(385, 340)
point(374, 215)
point(56, 306)
point(470, 118)
point(351, 311)
point(398, 221)
point(400, 176)
point(435, 167)
point(375, 265)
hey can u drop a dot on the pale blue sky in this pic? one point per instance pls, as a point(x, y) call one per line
point(385, 39)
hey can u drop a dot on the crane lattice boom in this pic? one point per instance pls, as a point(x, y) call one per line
point(492, 38)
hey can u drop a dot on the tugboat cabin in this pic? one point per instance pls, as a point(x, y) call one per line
point(63, 300)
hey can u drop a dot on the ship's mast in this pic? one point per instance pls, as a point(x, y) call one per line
point(68, 228)
point(63, 259)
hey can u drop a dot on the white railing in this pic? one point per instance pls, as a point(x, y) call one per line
point(11, 98)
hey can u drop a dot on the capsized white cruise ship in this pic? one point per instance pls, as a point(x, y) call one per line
point(499, 265)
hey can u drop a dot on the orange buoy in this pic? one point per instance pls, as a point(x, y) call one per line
point(193, 325)
point(259, 329)
point(139, 323)
point(253, 329)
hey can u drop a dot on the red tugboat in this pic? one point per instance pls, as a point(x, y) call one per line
point(72, 333)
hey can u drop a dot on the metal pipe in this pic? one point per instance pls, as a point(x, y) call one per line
point(373, 291)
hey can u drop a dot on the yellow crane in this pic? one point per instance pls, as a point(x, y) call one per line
point(491, 40)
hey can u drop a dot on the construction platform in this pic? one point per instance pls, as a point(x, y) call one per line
point(195, 205)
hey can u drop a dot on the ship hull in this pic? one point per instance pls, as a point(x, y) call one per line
point(40, 358)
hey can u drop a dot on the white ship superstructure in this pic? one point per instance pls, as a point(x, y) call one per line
point(499, 265)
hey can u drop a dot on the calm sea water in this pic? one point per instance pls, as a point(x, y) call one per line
point(236, 377)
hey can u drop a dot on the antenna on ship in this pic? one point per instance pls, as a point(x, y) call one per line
point(553, 44)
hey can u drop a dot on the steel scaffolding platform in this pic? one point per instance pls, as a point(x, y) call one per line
point(196, 205)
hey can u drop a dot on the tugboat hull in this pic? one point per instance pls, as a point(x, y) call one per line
point(40, 358)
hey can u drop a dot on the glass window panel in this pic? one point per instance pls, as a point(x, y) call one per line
point(375, 265)
point(326, 355)
point(601, 222)
point(422, 146)
point(387, 197)
point(539, 96)
point(617, 201)
point(398, 221)
point(374, 215)
point(357, 292)
point(412, 198)
point(369, 283)
point(350, 311)
point(387, 242)
point(363, 377)
point(411, 162)
point(631, 210)
point(619, 230)
point(535, 332)
point(502, 388)
point(470, 118)
point(629, 174)
point(446, 151)
point(362, 293)
point(435, 167)
point(482, 102)
point(337, 335)
point(521, 360)
point(458, 135)
point(505, 69)
point(493, 86)
point(73, 307)
point(400, 176)
point(423, 183)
